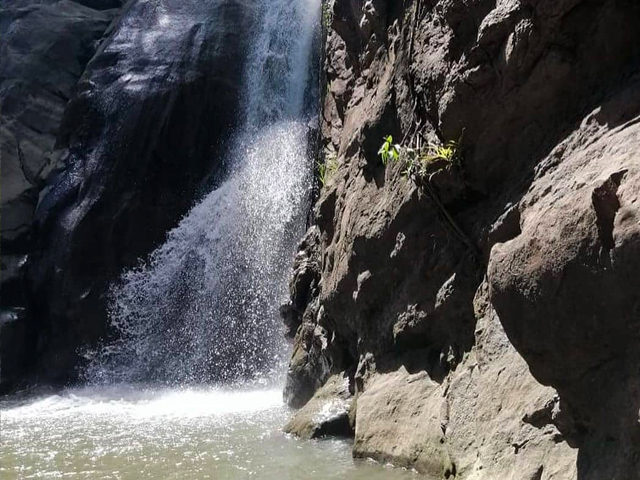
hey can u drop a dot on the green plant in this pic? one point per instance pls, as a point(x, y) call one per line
point(389, 151)
point(417, 160)
point(411, 162)
point(327, 169)
point(327, 14)
point(447, 152)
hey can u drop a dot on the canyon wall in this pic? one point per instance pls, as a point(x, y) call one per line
point(482, 321)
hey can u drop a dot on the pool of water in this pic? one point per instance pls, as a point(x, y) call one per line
point(143, 433)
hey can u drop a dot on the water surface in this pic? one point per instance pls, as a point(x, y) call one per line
point(143, 433)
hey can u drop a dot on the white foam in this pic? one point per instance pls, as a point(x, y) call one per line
point(130, 402)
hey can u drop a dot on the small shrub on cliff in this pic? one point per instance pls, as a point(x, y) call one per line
point(327, 169)
point(421, 163)
point(389, 151)
point(447, 152)
point(417, 160)
point(327, 14)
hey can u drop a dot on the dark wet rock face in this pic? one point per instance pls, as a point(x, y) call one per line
point(153, 107)
point(488, 318)
point(45, 48)
point(137, 141)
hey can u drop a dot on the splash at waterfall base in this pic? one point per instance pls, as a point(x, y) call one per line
point(204, 306)
point(133, 433)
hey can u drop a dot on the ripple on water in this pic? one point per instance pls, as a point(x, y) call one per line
point(131, 433)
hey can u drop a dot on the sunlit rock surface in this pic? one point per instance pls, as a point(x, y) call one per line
point(501, 342)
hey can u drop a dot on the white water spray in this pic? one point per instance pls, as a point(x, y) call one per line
point(204, 306)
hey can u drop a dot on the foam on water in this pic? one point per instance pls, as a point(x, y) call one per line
point(139, 402)
point(141, 432)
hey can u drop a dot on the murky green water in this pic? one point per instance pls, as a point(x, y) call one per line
point(131, 434)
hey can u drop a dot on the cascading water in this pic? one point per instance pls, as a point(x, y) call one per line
point(204, 306)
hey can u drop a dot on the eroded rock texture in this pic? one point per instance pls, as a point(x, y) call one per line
point(490, 330)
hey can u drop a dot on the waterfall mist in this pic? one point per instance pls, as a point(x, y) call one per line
point(204, 306)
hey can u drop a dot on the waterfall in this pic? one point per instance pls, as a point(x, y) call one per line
point(204, 306)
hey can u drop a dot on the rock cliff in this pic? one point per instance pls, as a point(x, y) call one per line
point(45, 48)
point(484, 318)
